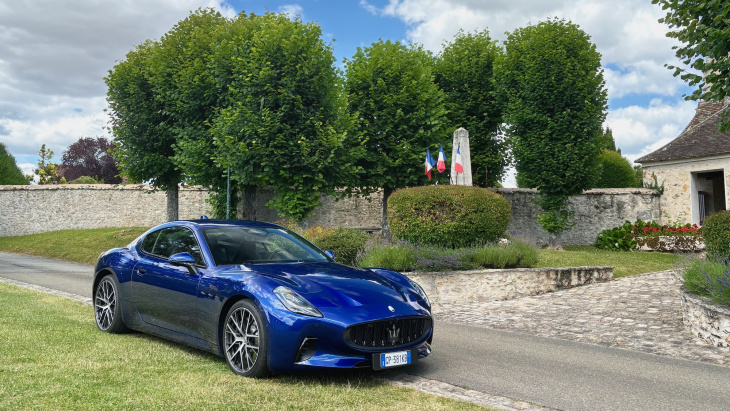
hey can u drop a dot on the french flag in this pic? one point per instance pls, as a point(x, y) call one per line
point(441, 166)
point(429, 163)
point(458, 167)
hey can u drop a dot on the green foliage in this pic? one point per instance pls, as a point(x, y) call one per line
point(608, 142)
point(615, 171)
point(399, 112)
point(709, 278)
point(552, 80)
point(556, 221)
point(85, 180)
point(346, 243)
point(716, 231)
point(46, 170)
point(449, 216)
point(638, 175)
point(654, 184)
point(703, 28)
point(617, 239)
point(408, 257)
point(464, 71)
point(10, 173)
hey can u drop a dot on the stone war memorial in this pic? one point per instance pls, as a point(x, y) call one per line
point(461, 159)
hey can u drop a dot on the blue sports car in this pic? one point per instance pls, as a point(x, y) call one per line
point(262, 297)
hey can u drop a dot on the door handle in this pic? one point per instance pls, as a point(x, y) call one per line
point(141, 271)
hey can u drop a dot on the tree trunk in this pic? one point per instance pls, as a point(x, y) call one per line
point(172, 202)
point(385, 231)
point(249, 203)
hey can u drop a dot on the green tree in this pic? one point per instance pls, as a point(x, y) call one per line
point(608, 142)
point(464, 71)
point(284, 124)
point(399, 112)
point(553, 83)
point(10, 173)
point(703, 28)
point(141, 125)
point(614, 171)
point(46, 170)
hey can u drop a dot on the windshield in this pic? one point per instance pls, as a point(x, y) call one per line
point(257, 245)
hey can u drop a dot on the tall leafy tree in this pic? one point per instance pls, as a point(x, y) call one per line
point(90, 157)
point(703, 27)
point(464, 71)
point(552, 79)
point(141, 126)
point(46, 171)
point(399, 112)
point(284, 124)
point(10, 173)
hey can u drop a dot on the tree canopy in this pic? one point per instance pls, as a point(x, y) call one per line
point(703, 28)
point(46, 171)
point(10, 173)
point(90, 157)
point(398, 112)
point(464, 71)
point(553, 83)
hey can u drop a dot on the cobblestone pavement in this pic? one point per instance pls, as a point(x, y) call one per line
point(642, 313)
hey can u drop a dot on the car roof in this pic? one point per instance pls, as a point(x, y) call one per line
point(210, 223)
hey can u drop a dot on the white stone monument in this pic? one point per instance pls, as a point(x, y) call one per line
point(461, 144)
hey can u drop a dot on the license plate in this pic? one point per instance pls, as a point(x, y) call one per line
point(395, 359)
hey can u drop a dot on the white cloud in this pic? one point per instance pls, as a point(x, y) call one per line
point(369, 7)
point(292, 10)
point(54, 56)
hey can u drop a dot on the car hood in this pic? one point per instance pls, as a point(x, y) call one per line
point(331, 285)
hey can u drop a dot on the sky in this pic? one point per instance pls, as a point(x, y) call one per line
point(54, 55)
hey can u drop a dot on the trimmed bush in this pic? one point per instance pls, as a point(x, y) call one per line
point(447, 216)
point(716, 231)
point(614, 171)
point(344, 242)
point(85, 180)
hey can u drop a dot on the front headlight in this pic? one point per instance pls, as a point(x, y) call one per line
point(295, 302)
point(419, 290)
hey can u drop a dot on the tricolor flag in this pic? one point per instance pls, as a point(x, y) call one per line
point(441, 166)
point(429, 163)
point(457, 166)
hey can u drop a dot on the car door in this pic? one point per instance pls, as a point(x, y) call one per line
point(165, 294)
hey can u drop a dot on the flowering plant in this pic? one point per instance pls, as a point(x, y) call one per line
point(653, 229)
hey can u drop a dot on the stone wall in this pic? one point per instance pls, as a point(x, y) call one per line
point(706, 320)
point(491, 285)
point(594, 211)
point(34, 209)
point(37, 209)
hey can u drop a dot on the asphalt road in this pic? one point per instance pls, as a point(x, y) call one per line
point(549, 372)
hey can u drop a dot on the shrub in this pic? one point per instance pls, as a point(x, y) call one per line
point(623, 238)
point(397, 257)
point(447, 216)
point(344, 242)
point(614, 171)
point(617, 239)
point(85, 180)
point(716, 231)
point(709, 278)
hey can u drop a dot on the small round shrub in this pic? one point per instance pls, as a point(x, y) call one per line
point(447, 216)
point(615, 171)
point(716, 231)
point(85, 180)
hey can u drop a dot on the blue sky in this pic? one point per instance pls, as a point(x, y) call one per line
point(54, 55)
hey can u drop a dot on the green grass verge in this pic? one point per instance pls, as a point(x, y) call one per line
point(53, 357)
point(625, 263)
point(80, 246)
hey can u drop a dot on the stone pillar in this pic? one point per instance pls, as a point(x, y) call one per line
point(461, 142)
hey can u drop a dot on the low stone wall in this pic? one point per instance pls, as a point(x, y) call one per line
point(491, 285)
point(706, 320)
point(37, 209)
point(683, 244)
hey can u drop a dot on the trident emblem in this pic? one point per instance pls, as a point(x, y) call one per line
point(393, 333)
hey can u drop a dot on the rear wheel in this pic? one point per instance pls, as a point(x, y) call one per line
point(106, 306)
point(244, 340)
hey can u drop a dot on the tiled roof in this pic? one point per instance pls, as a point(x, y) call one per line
point(701, 138)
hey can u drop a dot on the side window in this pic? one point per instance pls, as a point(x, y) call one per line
point(149, 242)
point(175, 240)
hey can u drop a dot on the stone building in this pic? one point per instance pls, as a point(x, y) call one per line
point(694, 168)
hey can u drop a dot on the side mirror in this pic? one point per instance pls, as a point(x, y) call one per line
point(330, 254)
point(184, 260)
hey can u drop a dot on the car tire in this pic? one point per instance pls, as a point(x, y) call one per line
point(244, 340)
point(107, 306)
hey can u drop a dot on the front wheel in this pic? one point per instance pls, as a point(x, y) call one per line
point(107, 310)
point(244, 340)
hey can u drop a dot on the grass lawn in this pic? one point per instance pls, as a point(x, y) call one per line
point(625, 263)
point(53, 357)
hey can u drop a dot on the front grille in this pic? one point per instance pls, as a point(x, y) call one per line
point(388, 333)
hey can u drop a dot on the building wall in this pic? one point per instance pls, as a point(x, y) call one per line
point(679, 202)
point(34, 209)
